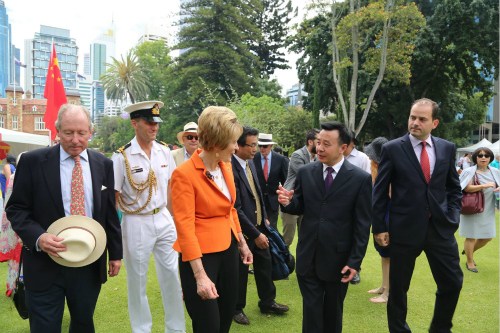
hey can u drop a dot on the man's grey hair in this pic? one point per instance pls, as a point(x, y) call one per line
point(66, 107)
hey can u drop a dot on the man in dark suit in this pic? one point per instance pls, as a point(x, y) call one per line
point(40, 196)
point(423, 216)
point(252, 215)
point(272, 169)
point(334, 198)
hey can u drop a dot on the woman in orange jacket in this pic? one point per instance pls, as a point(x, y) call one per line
point(208, 230)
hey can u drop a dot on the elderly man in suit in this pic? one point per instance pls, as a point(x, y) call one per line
point(189, 139)
point(252, 216)
point(42, 194)
point(335, 198)
point(300, 157)
point(271, 171)
point(423, 216)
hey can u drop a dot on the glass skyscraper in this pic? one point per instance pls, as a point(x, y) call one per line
point(5, 47)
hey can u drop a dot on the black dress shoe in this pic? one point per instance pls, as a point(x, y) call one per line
point(241, 318)
point(356, 279)
point(274, 308)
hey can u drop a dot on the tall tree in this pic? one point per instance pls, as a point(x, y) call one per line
point(272, 18)
point(126, 78)
point(215, 55)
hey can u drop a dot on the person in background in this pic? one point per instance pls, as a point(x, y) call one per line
point(417, 175)
point(300, 157)
point(253, 221)
point(189, 139)
point(271, 171)
point(10, 243)
point(41, 195)
point(479, 229)
point(8, 169)
point(496, 162)
point(464, 161)
point(142, 169)
point(374, 150)
point(209, 232)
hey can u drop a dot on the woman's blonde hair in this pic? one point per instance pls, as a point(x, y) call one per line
point(217, 127)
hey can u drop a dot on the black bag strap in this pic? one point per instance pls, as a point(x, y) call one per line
point(20, 267)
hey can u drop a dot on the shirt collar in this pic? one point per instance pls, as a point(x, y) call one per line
point(241, 161)
point(335, 167)
point(64, 155)
point(415, 142)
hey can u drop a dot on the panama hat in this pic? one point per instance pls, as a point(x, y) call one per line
point(85, 240)
point(149, 110)
point(266, 139)
point(190, 127)
point(374, 149)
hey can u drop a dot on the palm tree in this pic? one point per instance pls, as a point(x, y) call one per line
point(125, 78)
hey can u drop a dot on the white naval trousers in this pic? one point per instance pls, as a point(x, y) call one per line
point(143, 235)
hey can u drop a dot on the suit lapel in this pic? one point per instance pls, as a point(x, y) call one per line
point(242, 174)
point(341, 178)
point(410, 154)
point(51, 167)
point(318, 177)
point(97, 172)
point(226, 172)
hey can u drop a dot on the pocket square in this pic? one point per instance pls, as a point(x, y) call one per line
point(103, 188)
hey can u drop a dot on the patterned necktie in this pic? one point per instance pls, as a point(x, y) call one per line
point(77, 206)
point(255, 194)
point(266, 168)
point(328, 178)
point(424, 162)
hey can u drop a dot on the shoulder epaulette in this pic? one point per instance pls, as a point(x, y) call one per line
point(122, 148)
point(162, 143)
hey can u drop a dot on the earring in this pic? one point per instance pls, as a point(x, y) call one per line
point(216, 155)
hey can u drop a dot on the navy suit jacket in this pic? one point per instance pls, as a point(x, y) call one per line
point(245, 200)
point(414, 203)
point(36, 202)
point(336, 223)
point(277, 174)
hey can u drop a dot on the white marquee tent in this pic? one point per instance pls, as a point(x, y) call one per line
point(470, 149)
point(495, 147)
point(21, 141)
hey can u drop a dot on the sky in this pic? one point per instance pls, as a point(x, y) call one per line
point(87, 19)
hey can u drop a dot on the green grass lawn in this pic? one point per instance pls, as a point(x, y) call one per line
point(477, 311)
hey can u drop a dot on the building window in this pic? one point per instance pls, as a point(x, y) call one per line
point(15, 123)
point(1, 108)
point(2, 121)
point(39, 124)
point(14, 101)
point(34, 108)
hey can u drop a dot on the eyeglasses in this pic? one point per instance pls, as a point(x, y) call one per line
point(263, 146)
point(191, 137)
point(253, 145)
point(483, 155)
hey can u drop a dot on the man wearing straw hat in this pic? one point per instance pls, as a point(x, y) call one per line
point(189, 139)
point(63, 183)
point(143, 168)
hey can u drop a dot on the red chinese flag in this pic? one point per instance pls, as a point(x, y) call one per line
point(54, 93)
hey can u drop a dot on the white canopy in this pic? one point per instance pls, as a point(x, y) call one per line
point(470, 149)
point(21, 141)
point(495, 147)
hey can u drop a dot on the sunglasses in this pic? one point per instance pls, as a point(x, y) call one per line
point(483, 155)
point(191, 137)
point(263, 146)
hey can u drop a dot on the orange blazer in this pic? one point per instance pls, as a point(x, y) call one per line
point(203, 215)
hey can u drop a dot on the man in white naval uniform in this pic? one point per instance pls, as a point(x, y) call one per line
point(143, 168)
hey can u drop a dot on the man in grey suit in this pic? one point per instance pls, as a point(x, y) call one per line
point(335, 198)
point(299, 158)
point(419, 169)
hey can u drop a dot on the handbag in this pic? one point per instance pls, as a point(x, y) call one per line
point(283, 262)
point(19, 294)
point(472, 202)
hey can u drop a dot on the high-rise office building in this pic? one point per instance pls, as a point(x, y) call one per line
point(37, 56)
point(5, 49)
point(86, 64)
point(15, 77)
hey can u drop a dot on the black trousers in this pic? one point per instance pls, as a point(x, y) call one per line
point(322, 303)
point(212, 316)
point(444, 263)
point(80, 287)
point(263, 278)
point(272, 215)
